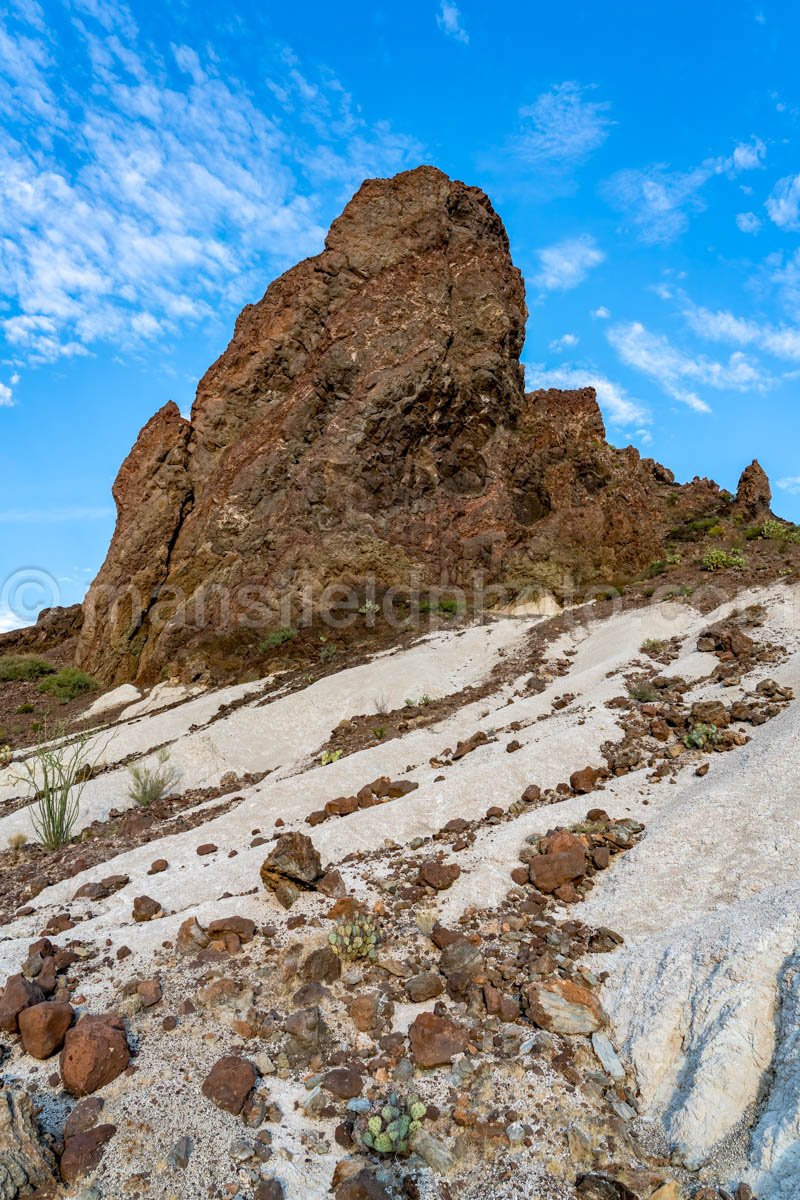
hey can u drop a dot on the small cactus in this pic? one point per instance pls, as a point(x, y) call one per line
point(391, 1129)
point(5, 756)
point(700, 736)
point(356, 937)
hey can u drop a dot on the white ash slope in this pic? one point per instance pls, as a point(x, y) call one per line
point(709, 902)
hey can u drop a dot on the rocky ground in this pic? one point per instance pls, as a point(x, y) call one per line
point(570, 853)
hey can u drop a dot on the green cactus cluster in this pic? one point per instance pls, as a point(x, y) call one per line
point(356, 937)
point(700, 736)
point(390, 1128)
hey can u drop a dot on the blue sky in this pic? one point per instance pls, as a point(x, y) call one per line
point(160, 164)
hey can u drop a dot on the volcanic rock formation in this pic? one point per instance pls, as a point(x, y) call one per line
point(369, 420)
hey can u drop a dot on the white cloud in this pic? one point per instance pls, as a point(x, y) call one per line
point(658, 201)
point(785, 274)
point(791, 483)
point(10, 620)
point(749, 156)
point(182, 192)
point(53, 516)
point(676, 372)
point(563, 343)
point(618, 407)
point(448, 19)
point(6, 396)
point(748, 222)
point(602, 313)
point(565, 264)
point(562, 127)
point(783, 204)
point(723, 326)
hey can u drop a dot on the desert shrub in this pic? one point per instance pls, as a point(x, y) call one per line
point(645, 693)
point(719, 560)
point(68, 683)
point(24, 667)
point(5, 756)
point(56, 774)
point(775, 531)
point(22, 709)
point(694, 530)
point(379, 732)
point(150, 784)
point(369, 608)
point(330, 756)
point(654, 646)
point(659, 567)
point(278, 637)
point(327, 650)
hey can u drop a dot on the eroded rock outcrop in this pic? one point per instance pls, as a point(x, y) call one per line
point(26, 1162)
point(368, 421)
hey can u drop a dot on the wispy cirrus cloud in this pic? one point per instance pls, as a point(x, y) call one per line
point(567, 341)
point(790, 483)
point(720, 325)
point(618, 407)
point(448, 18)
point(783, 203)
point(565, 264)
point(563, 126)
point(180, 192)
point(677, 373)
point(657, 201)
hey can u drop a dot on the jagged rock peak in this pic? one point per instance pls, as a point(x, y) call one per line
point(368, 421)
point(754, 494)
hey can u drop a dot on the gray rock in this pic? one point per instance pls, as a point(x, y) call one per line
point(608, 1056)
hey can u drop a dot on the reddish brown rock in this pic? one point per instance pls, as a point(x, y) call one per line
point(343, 1082)
point(584, 781)
point(229, 1082)
point(439, 875)
point(83, 1116)
point(43, 1027)
point(146, 909)
point(149, 992)
point(19, 993)
point(711, 712)
point(191, 937)
point(532, 793)
point(242, 927)
point(293, 866)
point(363, 1186)
point(95, 1053)
point(436, 1040)
point(425, 986)
point(550, 871)
point(84, 1152)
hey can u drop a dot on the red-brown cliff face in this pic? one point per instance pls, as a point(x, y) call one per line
point(368, 419)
